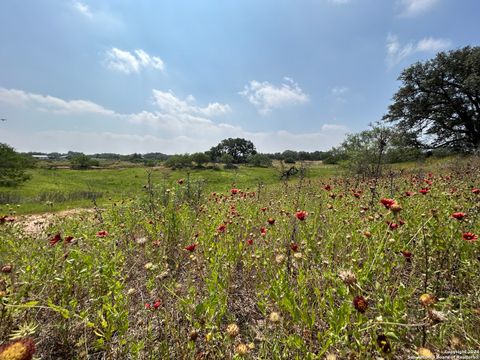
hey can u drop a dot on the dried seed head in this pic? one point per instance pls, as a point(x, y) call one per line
point(241, 349)
point(233, 330)
point(425, 353)
point(348, 277)
point(193, 335)
point(427, 299)
point(274, 317)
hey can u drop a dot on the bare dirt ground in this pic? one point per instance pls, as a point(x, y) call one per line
point(38, 223)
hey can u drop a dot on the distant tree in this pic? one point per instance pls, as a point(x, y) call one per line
point(81, 162)
point(178, 161)
point(13, 166)
point(259, 160)
point(438, 103)
point(290, 156)
point(200, 159)
point(240, 149)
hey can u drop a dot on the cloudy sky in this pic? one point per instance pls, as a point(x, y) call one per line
point(177, 76)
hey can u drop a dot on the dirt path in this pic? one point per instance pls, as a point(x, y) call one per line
point(38, 223)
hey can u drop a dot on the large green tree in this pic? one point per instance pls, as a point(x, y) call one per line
point(13, 166)
point(439, 100)
point(240, 149)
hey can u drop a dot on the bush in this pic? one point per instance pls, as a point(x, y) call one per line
point(82, 162)
point(13, 166)
point(259, 160)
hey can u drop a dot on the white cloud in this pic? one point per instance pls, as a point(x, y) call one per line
point(339, 90)
point(167, 102)
point(412, 8)
point(48, 103)
point(267, 97)
point(127, 62)
point(176, 126)
point(83, 9)
point(396, 52)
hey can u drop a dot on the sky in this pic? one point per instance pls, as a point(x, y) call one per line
point(178, 76)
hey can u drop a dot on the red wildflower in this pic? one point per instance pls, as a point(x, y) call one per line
point(263, 209)
point(409, 193)
point(147, 306)
point(221, 228)
point(392, 225)
point(356, 194)
point(191, 247)
point(387, 202)
point(234, 191)
point(157, 303)
point(424, 191)
point(271, 221)
point(250, 241)
point(476, 191)
point(360, 304)
point(469, 236)
point(407, 255)
point(401, 222)
point(102, 233)
point(301, 215)
point(294, 247)
point(55, 239)
point(328, 187)
point(459, 215)
point(263, 231)
point(180, 181)
point(5, 218)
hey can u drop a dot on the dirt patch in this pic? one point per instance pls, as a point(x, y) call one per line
point(37, 224)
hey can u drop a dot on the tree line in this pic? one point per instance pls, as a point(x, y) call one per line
point(436, 110)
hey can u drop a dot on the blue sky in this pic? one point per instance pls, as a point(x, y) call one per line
point(178, 76)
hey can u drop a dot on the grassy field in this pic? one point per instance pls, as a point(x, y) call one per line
point(336, 268)
point(60, 189)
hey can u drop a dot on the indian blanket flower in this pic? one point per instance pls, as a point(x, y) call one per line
point(328, 187)
point(102, 233)
point(301, 215)
point(221, 228)
point(409, 193)
point(271, 221)
point(191, 247)
point(458, 215)
point(250, 241)
point(469, 236)
point(22, 349)
point(424, 191)
point(55, 239)
point(476, 191)
point(387, 202)
point(360, 304)
point(294, 247)
point(263, 231)
point(234, 191)
point(407, 255)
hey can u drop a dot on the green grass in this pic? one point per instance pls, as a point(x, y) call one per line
point(292, 286)
point(61, 189)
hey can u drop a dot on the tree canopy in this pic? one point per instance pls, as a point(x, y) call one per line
point(439, 101)
point(240, 149)
point(13, 166)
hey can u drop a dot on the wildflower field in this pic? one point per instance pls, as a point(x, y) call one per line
point(336, 268)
